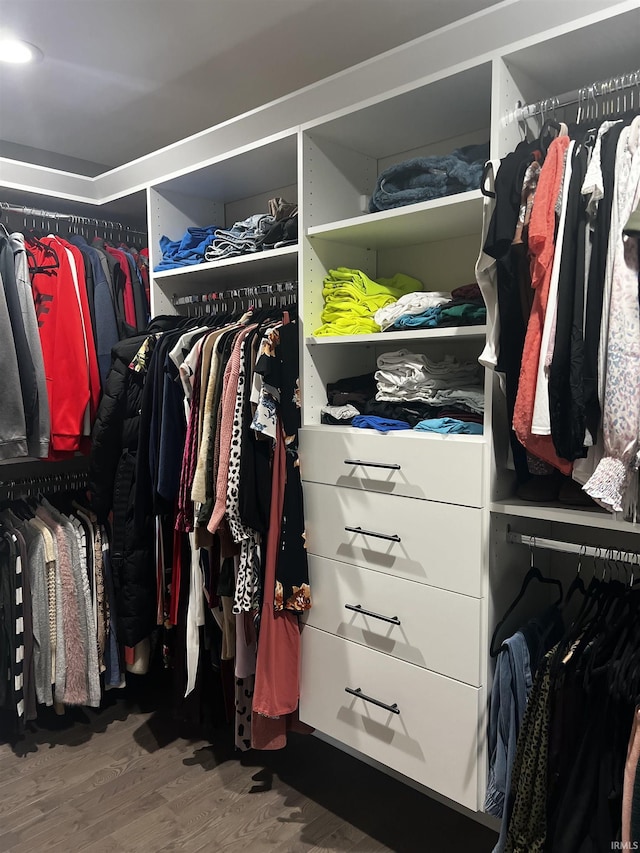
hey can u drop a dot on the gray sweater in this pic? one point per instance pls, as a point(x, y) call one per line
point(39, 442)
point(13, 432)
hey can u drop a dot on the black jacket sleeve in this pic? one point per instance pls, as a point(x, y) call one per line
point(106, 440)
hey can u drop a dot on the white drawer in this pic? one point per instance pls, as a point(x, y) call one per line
point(439, 544)
point(433, 739)
point(437, 630)
point(444, 468)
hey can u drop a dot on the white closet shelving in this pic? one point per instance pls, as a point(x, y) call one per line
point(435, 241)
point(270, 264)
point(598, 519)
point(424, 222)
point(372, 501)
point(452, 332)
point(409, 527)
point(220, 193)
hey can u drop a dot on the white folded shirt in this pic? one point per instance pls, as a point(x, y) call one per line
point(410, 303)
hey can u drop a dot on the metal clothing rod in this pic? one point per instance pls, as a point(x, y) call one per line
point(586, 97)
point(48, 484)
point(23, 210)
point(571, 548)
point(239, 293)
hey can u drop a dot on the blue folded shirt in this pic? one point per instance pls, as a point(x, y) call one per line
point(188, 250)
point(381, 424)
point(428, 319)
point(449, 425)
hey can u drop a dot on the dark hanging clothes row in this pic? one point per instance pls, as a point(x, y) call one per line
point(195, 455)
point(565, 277)
point(564, 741)
point(63, 305)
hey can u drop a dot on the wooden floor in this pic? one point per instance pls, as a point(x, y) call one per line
point(121, 780)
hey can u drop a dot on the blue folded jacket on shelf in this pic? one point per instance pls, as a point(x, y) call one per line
point(426, 178)
point(187, 251)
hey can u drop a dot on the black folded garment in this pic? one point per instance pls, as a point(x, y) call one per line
point(326, 418)
point(283, 232)
point(411, 412)
point(356, 390)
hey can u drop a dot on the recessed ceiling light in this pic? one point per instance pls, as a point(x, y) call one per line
point(18, 52)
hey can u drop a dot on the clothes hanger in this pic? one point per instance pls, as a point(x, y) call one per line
point(550, 129)
point(597, 631)
point(533, 574)
point(577, 584)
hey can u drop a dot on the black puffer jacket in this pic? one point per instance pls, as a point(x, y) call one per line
point(112, 487)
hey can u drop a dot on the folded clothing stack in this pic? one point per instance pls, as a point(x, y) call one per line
point(410, 304)
point(338, 415)
point(189, 250)
point(415, 412)
point(403, 375)
point(278, 227)
point(464, 306)
point(424, 178)
point(352, 402)
point(351, 300)
point(354, 389)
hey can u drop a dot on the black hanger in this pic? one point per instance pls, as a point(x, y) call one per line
point(533, 574)
point(577, 584)
point(594, 630)
point(49, 252)
point(550, 131)
point(483, 181)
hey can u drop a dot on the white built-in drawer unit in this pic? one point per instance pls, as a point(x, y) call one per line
point(442, 468)
point(407, 620)
point(432, 543)
point(431, 733)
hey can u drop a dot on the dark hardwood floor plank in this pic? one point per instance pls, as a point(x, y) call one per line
point(124, 779)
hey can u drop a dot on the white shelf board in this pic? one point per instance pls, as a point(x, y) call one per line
point(414, 434)
point(271, 265)
point(258, 170)
point(461, 101)
point(598, 51)
point(448, 333)
point(564, 514)
point(441, 219)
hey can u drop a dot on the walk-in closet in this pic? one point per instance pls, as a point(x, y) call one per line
point(320, 429)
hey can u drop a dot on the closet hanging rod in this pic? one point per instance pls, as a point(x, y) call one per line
point(585, 96)
point(52, 215)
point(248, 292)
point(70, 481)
point(514, 538)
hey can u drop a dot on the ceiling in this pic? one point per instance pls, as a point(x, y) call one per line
point(121, 78)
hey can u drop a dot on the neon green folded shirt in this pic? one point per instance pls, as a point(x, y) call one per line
point(351, 299)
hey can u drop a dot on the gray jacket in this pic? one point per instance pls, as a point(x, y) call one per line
point(13, 432)
point(26, 370)
point(39, 441)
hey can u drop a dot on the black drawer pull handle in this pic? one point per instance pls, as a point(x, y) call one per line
point(391, 537)
point(391, 465)
point(357, 608)
point(358, 692)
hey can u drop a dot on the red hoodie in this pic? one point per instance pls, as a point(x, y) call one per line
point(62, 338)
